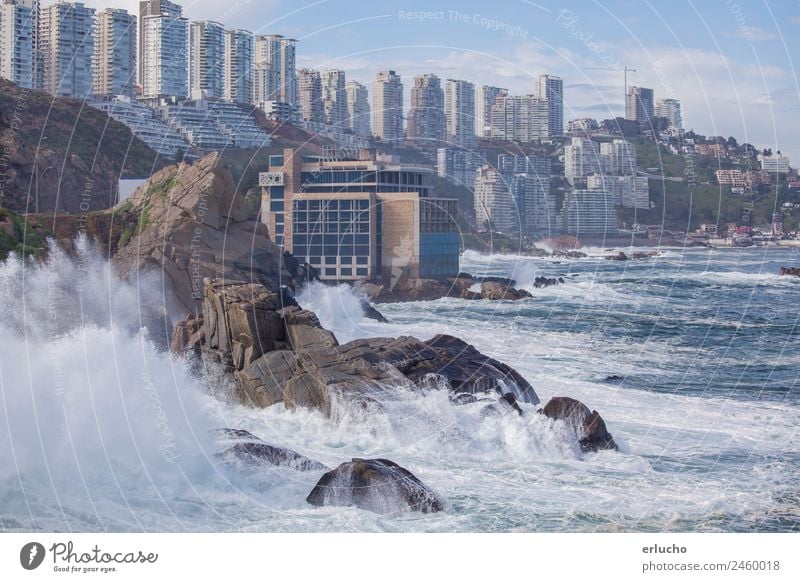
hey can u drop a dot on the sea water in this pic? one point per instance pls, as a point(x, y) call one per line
point(101, 430)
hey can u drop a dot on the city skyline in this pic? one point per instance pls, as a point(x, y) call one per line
point(730, 64)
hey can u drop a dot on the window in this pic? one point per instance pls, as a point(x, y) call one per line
point(330, 272)
point(330, 260)
point(347, 272)
point(361, 272)
point(362, 260)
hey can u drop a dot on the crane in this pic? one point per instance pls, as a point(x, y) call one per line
point(626, 70)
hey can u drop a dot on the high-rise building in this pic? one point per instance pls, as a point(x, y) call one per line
point(207, 60)
point(239, 47)
point(519, 118)
point(618, 157)
point(18, 29)
point(66, 46)
point(426, 118)
point(528, 177)
point(153, 8)
point(364, 217)
point(165, 67)
point(627, 191)
point(671, 110)
point(387, 106)
point(639, 105)
point(310, 109)
point(114, 62)
point(590, 213)
point(275, 72)
point(581, 158)
point(552, 89)
point(494, 204)
point(458, 166)
point(485, 97)
point(334, 99)
point(358, 109)
point(459, 108)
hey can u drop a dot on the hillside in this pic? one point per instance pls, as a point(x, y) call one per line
point(61, 155)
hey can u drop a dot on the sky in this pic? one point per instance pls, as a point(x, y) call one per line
point(731, 63)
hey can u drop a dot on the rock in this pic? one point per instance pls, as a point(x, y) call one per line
point(790, 271)
point(242, 321)
point(192, 225)
point(262, 382)
point(304, 331)
point(499, 291)
point(618, 257)
point(187, 335)
point(614, 378)
point(256, 453)
point(587, 425)
point(376, 485)
point(371, 313)
point(540, 282)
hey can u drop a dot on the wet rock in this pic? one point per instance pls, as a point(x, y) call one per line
point(540, 282)
point(304, 331)
point(376, 485)
point(620, 256)
point(260, 453)
point(614, 378)
point(499, 291)
point(587, 425)
point(187, 335)
point(371, 313)
point(790, 271)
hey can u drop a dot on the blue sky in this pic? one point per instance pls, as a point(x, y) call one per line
point(731, 63)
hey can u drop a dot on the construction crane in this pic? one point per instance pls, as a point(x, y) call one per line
point(625, 69)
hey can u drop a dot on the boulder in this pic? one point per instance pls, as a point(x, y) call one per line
point(790, 271)
point(187, 335)
point(257, 453)
point(250, 449)
point(262, 382)
point(304, 331)
point(620, 256)
point(371, 313)
point(587, 425)
point(376, 485)
point(540, 282)
point(499, 291)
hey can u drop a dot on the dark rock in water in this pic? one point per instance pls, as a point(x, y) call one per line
point(614, 378)
point(261, 453)
point(499, 291)
point(371, 313)
point(235, 434)
point(620, 256)
point(587, 425)
point(376, 485)
point(540, 282)
point(512, 402)
point(790, 271)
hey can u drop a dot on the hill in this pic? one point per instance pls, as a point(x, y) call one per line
point(62, 155)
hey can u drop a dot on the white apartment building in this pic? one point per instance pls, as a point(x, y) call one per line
point(458, 166)
point(426, 117)
point(66, 47)
point(114, 61)
point(619, 157)
point(310, 109)
point(165, 66)
point(519, 118)
point(358, 111)
point(485, 97)
point(387, 106)
point(581, 158)
point(207, 60)
point(238, 73)
point(671, 110)
point(494, 204)
point(334, 99)
point(590, 213)
point(18, 28)
point(275, 70)
point(153, 8)
point(552, 89)
point(776, 164)
point(627, 191)
point(459, 109)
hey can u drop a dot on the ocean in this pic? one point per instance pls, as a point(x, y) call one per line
point(691, 357)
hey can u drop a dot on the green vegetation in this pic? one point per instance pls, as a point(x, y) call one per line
point(24, 241)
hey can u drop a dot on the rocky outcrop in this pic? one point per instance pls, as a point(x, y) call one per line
point(192, 225)
point(540, 282)
point(498, 291)
point(376, 485)
point(790, 271)
point(587, 425)
point(250, 449)
point(278, 352)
